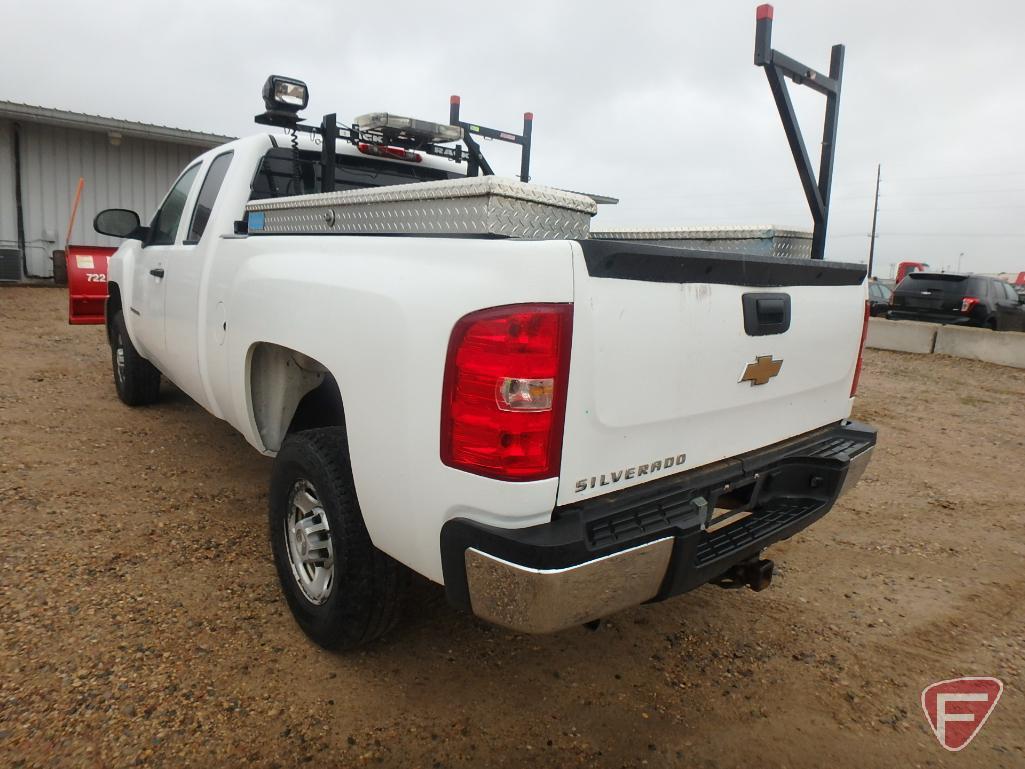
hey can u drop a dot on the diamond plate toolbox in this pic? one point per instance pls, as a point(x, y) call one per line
point(758, 241)
point(482, 205)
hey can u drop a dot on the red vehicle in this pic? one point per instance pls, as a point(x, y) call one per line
point(908, 267)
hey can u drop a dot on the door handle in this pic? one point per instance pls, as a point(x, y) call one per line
point(157, 272)
point(766, 314)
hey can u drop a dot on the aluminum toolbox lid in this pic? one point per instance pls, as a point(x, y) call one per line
point(450, 189)
point(481, 205)
point(759, 240)
point(759, 232)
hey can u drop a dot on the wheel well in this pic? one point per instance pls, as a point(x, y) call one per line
point(320, 407)
point(290, 391)
point(112, 307)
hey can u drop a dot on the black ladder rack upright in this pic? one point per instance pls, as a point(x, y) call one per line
point(777, 67)
point(476, 158)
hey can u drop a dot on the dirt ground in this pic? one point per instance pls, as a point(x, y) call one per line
point(141, 622)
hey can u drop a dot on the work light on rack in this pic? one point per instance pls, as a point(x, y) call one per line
point(283, 98)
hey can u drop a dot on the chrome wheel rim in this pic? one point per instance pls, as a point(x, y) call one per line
point(308, 543)
point(119, 357)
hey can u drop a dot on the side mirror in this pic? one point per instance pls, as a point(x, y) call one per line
point(119, 223)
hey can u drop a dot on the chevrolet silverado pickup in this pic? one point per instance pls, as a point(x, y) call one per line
point(454, 377)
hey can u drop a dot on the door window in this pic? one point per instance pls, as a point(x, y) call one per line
point(165, 223)
point(207, 196)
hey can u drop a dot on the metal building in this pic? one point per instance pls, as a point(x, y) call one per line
point(44, 152)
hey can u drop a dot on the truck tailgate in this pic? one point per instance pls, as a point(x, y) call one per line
point(665, 376)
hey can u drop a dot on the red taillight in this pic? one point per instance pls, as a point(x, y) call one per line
point(861, 352)
point(381, 151)
point(968, 304)
point(504, 397)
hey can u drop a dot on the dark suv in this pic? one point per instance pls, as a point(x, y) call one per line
point(943, 297)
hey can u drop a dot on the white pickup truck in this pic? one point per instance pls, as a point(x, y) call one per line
point(553, 426)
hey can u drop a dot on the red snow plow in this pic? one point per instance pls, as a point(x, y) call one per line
point(87, 274)
point(87, 283)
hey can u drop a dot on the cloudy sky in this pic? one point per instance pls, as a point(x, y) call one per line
point(657, 103)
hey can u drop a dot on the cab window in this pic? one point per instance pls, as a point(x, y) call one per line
point(207, 196)
point(165, 223)
point(283, 172)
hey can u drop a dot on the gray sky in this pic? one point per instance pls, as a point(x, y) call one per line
point(657, 103)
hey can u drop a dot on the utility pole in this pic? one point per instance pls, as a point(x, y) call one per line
point(875, 215)
point(959, 258)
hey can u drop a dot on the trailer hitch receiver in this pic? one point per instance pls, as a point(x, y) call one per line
point(755, 573)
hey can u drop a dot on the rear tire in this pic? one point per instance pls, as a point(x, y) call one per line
point(342, 590)
point(136, 379)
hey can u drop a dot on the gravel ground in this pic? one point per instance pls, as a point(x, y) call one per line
point(141, 622)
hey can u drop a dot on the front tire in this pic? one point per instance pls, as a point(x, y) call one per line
point(136, 379)
point(342, 590)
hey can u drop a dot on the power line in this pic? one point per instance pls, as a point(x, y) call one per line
point(956, 192)
point(758, 200)
point(959, 176)
point(930, 235)
point(857, 184)
point(959, 208)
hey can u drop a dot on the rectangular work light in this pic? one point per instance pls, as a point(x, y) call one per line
point(285, 94)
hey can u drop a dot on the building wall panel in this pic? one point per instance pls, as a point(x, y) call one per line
point(134, 174)
point(8, 218)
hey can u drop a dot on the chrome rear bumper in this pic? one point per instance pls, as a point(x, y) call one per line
point(546, 600)
point(652, 541)
point(855, 470)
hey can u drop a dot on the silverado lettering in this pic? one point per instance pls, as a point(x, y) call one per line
point(629, 472)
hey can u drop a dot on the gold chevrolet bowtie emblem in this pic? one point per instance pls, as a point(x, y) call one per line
point(762, 370)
